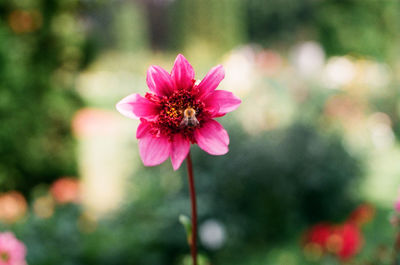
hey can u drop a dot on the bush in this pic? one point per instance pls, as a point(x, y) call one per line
point(41, 51)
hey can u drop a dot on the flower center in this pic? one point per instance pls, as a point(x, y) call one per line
point(180, 113)
point(4, 256)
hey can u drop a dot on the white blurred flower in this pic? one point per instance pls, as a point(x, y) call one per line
point(212, 234)
point(308, 58)
point(377, 75)
point(239, 68)
point(339, 71)
point(382, 135)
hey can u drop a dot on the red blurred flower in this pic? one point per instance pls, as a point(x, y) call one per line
point(345, 241)
point(65, 190)
point(319, 234)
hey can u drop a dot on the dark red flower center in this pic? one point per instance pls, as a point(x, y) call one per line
point(180, 113)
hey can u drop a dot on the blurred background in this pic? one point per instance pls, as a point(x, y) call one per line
point(315, 142)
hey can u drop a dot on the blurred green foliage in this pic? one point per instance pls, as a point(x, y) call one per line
point(218, 24)
point(347, 26)
point(295, 173)
point(41, 50)
point(357, 27)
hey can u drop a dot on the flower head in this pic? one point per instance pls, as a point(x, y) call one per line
point(178, 112)
point(12, 251)
point(344, 240)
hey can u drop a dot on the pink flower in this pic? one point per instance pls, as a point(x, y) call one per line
point(397, 206)
point(12, 251)
point(178, 112)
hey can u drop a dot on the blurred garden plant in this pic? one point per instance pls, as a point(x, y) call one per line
point(37, 148)
point(177, 113)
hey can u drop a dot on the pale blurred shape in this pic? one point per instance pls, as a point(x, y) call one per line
point(269, 62)
point(89, 121)
point(377, 75)
point(102, 86)
point(255, 113)
point(13, 206)
point(103, 163)
point(239, 70)
point(345, 110)
point(308, 58)
point(338, 72)
point(212, 234)
point(66, 190)
point(382, 135)
point(43, 206)
point(96, 83)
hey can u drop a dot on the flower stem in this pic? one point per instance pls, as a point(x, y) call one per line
point(193, 240)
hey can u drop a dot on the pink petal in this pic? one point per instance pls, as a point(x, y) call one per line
point(135, 106)
point(143, 129)
point(211, 81)
point(154, 150)
point(212, 138)
point(182, 72)
point(221, 102)
point(159, 81)
point(180, 147)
